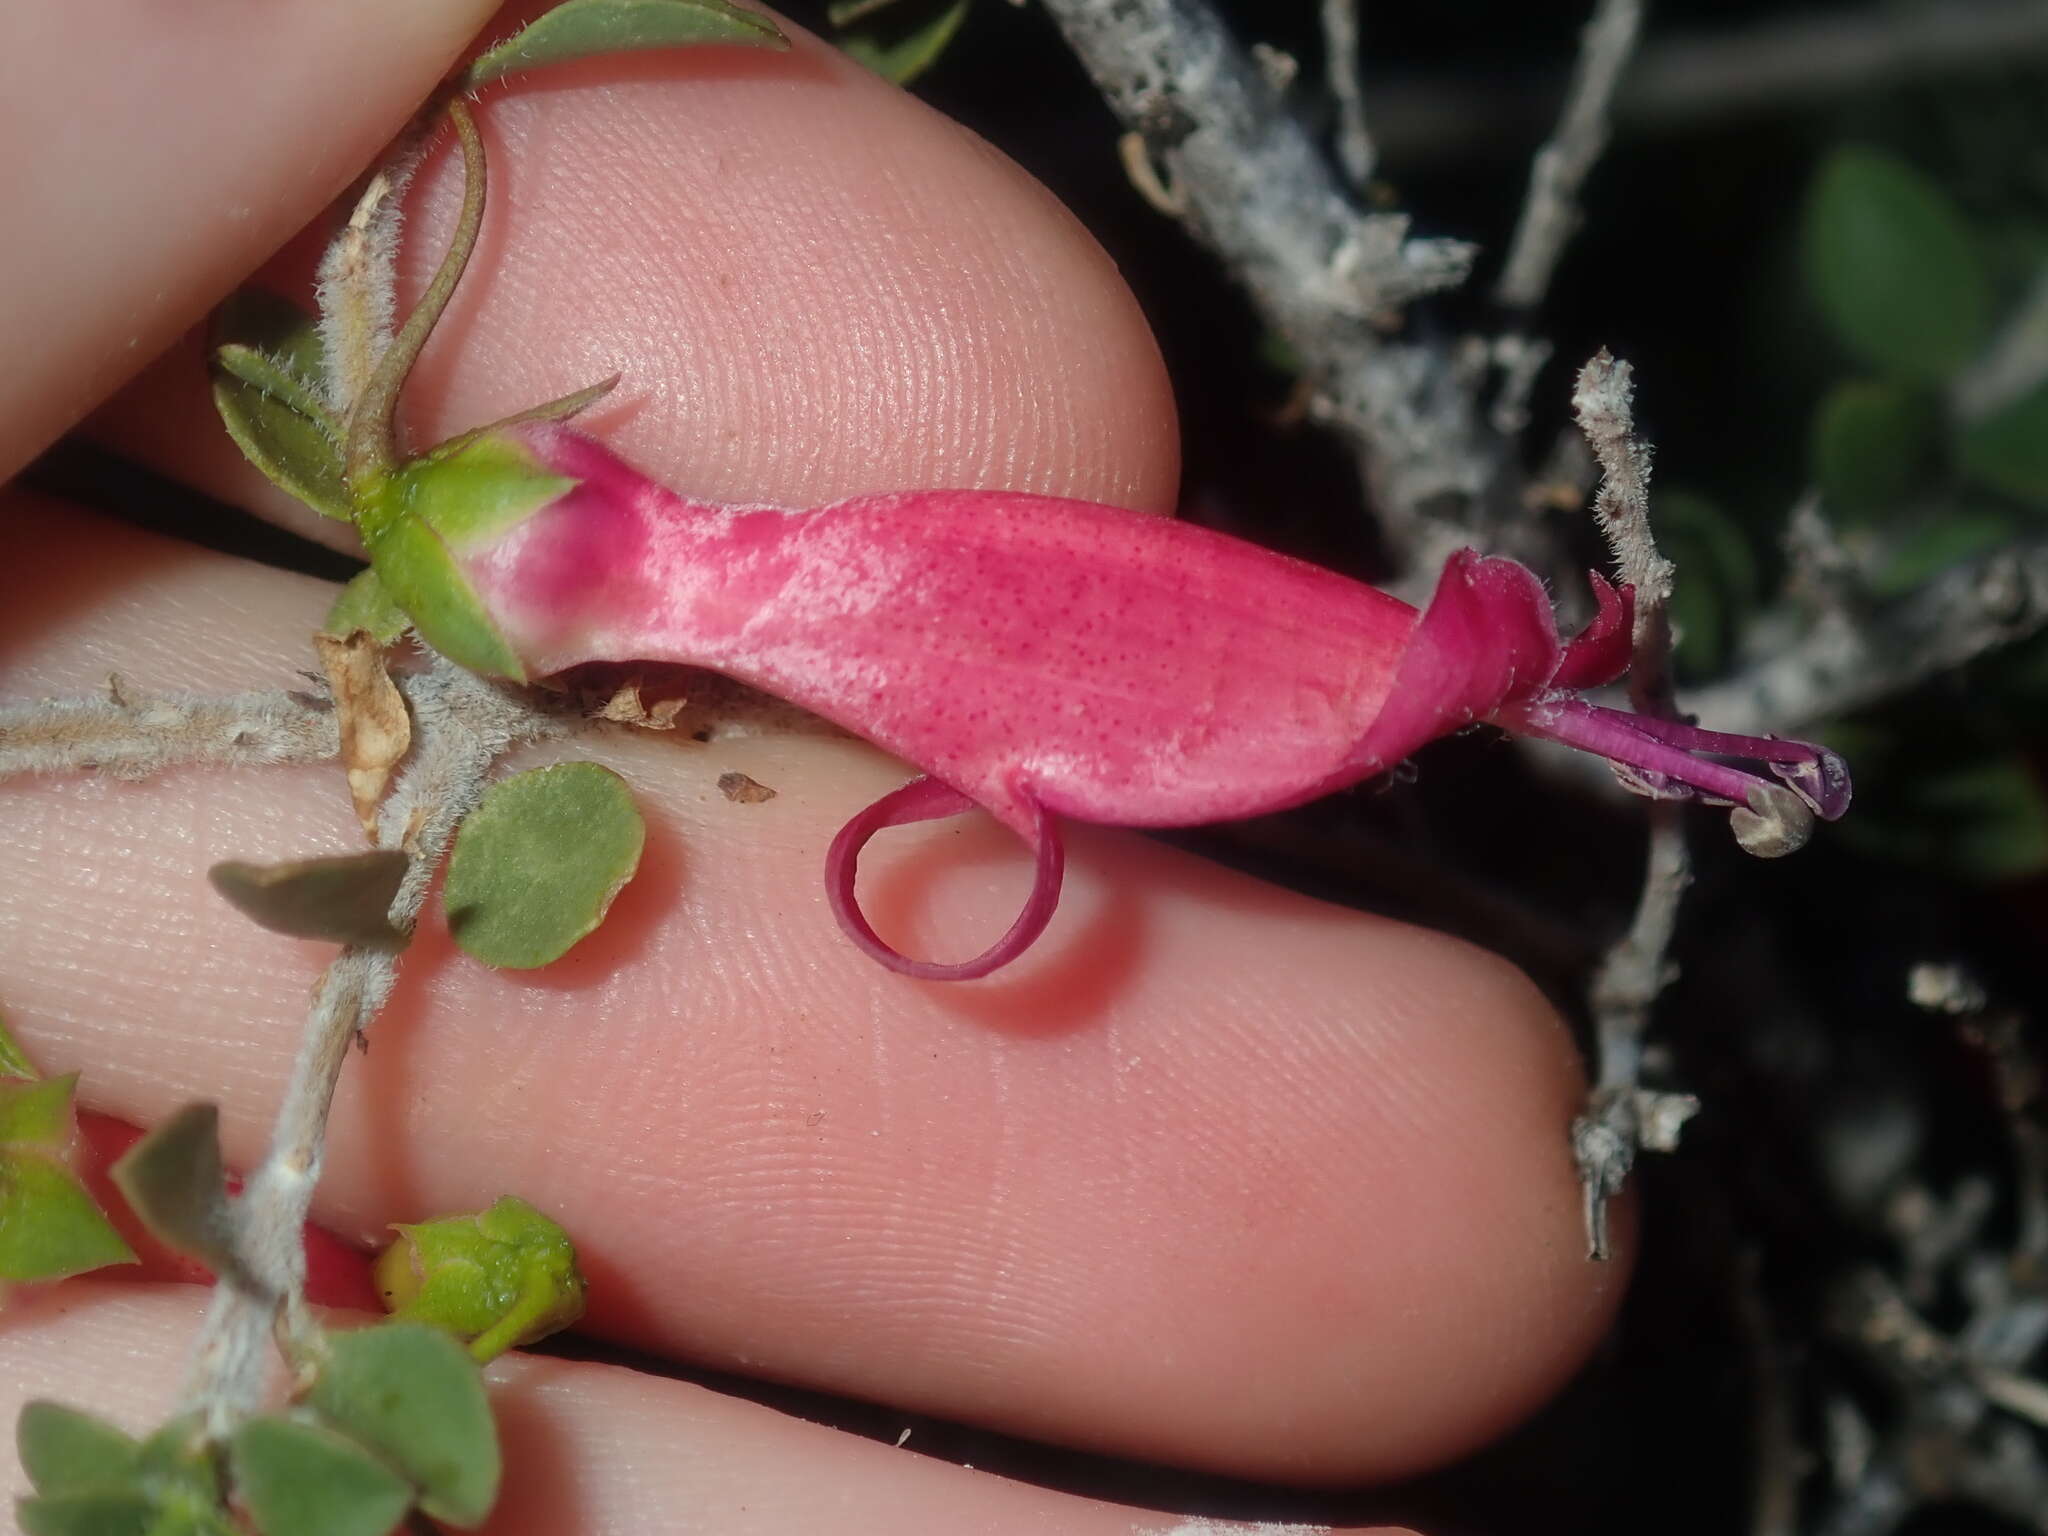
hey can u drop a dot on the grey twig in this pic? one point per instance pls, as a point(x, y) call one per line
point(1621, 1116)
point(1845, 661)
point(463, 725)
point(1550, 213)
point(132, 736)
point(1325, 275)
point(1776, 63)
point(1340, 66)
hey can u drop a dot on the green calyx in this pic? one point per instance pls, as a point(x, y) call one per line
point(415, 521)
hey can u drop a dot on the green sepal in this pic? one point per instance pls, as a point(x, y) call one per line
point(561, 408)
point(50, 1228)
point(536, 865)
point(14, 1060)
point(1893, 265)
point(37, 1113)
point(422, 578)
point(902, 56)
point(175, 1182)
point(412, 1395)
point(499, 1279)
point(267, 387)
point(365, 605)
point(299, 1479)
point(580, 29)
point(413, 521)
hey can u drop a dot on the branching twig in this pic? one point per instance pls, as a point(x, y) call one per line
point(133, 737)
point(1621, 1116)
point(463, 725)
point(1845, 662)
point(1550, 214)
point(1324, 275)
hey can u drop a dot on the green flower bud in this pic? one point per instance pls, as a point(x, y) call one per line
point(499, 1279)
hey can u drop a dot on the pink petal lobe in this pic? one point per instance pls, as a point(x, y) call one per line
point(1599, 653)
point(1487, 637)
point(924, 799)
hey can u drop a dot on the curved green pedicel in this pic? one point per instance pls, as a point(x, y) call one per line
point(415, 520)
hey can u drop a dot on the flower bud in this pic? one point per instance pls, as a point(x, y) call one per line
point(501, 1278)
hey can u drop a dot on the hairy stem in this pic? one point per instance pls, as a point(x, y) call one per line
point(132, 736)
point(463, 726)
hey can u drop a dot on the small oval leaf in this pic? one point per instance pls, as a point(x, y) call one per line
point(65, 1451)
point(581, 29)
point(343, 899)
point(1871, 444)
point(411, 1394)
point(1893, 266)
point(536, 865)
point(88, 1514)
point(2008, 450)
point(174, 1180)
point(301, 1479)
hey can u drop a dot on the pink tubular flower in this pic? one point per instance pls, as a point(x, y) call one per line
point(1035, 657)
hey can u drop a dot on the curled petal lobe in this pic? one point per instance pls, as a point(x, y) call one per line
point(925, 799)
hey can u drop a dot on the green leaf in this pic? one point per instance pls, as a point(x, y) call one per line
point(536, 865)
point(89, 1514)
point(343, 899)
point(14, 1060)
point(411, 1394)
point(264, 322)
point(580, 29)
point(65, 1451)
point(291, 450)
point(2008, 450)
point(300, 1479)
point(1717, 581)
point(1962, 534)
point(1871, 443)
point(270, 370)
point(1986, 819)
point(174, 1179)
point(1893, 266)
point(365, 605)
point(502, 1278)
point(49, 1226)
point(903, 56)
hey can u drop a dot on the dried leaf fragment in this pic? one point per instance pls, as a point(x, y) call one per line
point(627, 707)
point(741, 790)
point(375, 729)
